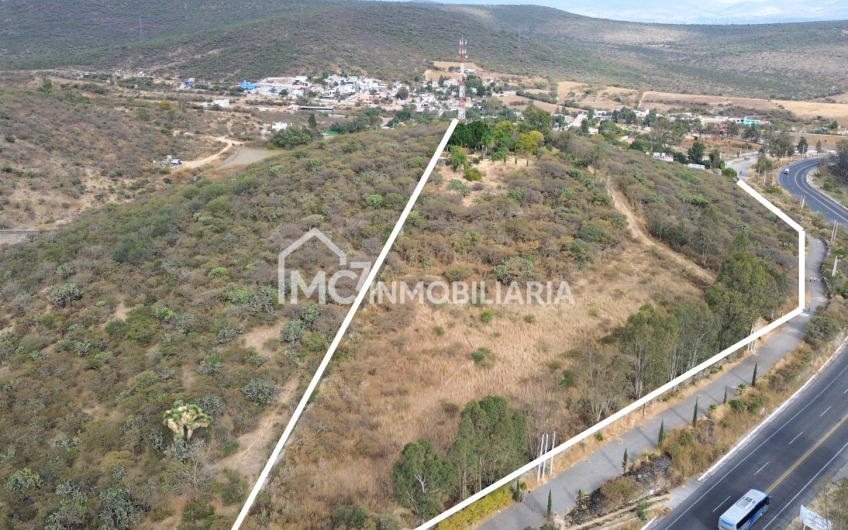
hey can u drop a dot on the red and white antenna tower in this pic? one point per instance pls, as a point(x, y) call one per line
point(461, 111)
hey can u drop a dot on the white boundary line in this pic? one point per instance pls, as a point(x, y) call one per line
point(375, 268)
point(661, 390)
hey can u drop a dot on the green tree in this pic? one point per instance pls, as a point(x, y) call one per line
point(781, 146)
point(624, 462)
point(402, 93)
point(840, 166)
point(696, 153)
point(491, 442)
point(803, 146)
point(537, 119)
point(706, 237)
point(695, 414)
point(313, 123)
point(763, 165)
point(745, 289)
point(422, 479)
point(754, 377)
point(46, 86)
point(550, 505)
point(818, 147)
point(661, 436)
point(646, 340)
point(715, 159)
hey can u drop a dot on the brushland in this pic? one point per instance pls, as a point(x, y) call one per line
point(235, 40)
point(67, 146)
point(685, 452)
point(169, 304)
point(459, 394)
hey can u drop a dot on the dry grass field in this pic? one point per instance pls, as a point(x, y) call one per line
point(598, 97)
point(412, 381)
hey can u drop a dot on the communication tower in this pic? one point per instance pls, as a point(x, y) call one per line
point(461, 111)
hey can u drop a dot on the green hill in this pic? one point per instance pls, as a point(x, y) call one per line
point(231, 40)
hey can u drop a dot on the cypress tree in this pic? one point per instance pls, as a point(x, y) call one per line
point(695, 414)
point(624, 462)
point(754, 379)
point(662, 433)
point(550, 505)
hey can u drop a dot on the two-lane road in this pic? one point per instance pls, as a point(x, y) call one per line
point(795, 182)
point(808, 440)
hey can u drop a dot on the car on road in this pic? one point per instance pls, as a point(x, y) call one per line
point(786, 171)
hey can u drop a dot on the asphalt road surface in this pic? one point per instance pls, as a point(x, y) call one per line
point(806, 442)
point(787, 459)
point(795, 182)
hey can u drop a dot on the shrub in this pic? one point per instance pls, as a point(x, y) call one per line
point(260, 391)
point(486, 316)
point(462, 519)
point(350, 517)
point(293, 330)
point(473, 174)
point(219, 272)
point(514, 268)
point(63, 295)
point(457, 185)
point(457, 273)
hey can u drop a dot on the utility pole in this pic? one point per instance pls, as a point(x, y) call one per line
point(543, 448)
point(835, 261)
point(461, 110)
point(553, 446)
point(835, 229)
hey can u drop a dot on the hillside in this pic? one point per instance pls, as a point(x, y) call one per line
point(109, 321)
point(417, 372)
point(224, 40)
point(69, 145)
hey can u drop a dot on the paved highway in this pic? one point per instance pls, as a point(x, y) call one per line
point(795, 182)
point(807, 441)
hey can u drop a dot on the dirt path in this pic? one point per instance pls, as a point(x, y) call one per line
point(635, 226)
point(253, 446)
point(248, 155)
point(191, 164)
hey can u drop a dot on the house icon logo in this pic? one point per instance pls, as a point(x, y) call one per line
point(290, 283)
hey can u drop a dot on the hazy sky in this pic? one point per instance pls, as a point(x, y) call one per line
point(693, 11)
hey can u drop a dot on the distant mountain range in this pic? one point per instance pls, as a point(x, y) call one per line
point(694, 11)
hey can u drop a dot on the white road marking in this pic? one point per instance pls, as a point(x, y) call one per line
point(825, 411)
point(788, 504)
point(764, 465)
point(796, 437)
point(722, 502)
